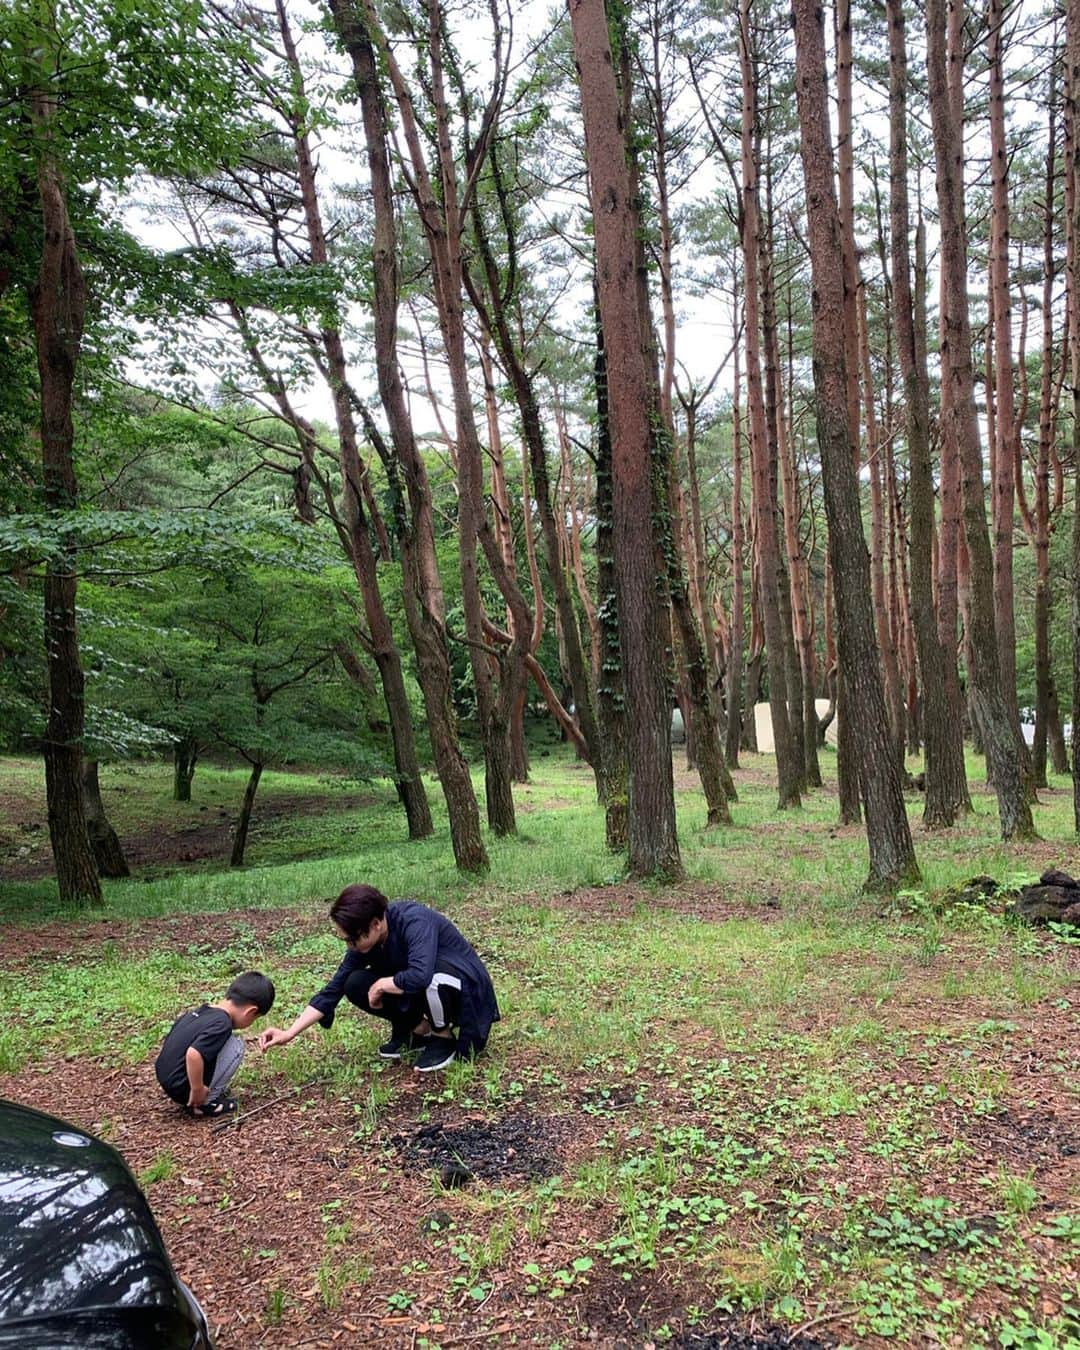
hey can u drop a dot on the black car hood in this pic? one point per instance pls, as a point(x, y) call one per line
point(103, 1329)
point(75, 1230)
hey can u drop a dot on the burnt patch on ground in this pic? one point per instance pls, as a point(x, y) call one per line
point(1032, 1138)
point(750, 1334)
point(520, 1145)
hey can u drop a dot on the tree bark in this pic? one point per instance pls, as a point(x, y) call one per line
point(422, 587)
point(185, 758)
point(58, 304)
point(886, 638)
point(1006, 425)
point(108, 854)
point(243, 821)
point(945, 790)
point(735, 705)
point(802, 602)
point(1072, 230)
point(442, 218)
point(610, 687)
point(985, 675)
point(653, 842)
point(500, 498)
point(950, 543)
point(1039, 522)
point(892, 856)
point(522, 380)
point(788, 763)
point(408, 778)
point(846, 747)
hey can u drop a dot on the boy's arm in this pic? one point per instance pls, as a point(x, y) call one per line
point(196, 1066)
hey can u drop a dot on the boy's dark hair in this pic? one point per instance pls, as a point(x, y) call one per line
point(356, 909)
point(252, 987)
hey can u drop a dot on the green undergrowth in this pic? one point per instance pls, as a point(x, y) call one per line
point(312, 834)
point(784, 1097)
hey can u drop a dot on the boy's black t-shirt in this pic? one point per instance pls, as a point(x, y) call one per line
point(205, 1029)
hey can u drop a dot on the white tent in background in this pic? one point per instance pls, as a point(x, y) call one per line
point(763, 725)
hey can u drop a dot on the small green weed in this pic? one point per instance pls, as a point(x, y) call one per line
point(162, 1168)
point(1018, 1193)
point(275, 1306)
point(336, 1274)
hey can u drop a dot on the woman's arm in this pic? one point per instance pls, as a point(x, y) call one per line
point(275, 1036)
point(421, 935)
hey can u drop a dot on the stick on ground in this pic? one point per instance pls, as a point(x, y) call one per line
point(242, 1116)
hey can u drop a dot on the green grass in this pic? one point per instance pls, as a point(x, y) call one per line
point(767, 1096)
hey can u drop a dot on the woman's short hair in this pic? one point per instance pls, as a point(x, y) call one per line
point(356, 909)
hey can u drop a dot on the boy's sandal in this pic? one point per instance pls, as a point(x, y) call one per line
point(224, 1106)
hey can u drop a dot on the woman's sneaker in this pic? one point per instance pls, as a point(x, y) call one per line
point(401, 1042)
point(437, 1054)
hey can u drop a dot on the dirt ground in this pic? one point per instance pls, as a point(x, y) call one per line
point(155, 844)
point(263, 1217)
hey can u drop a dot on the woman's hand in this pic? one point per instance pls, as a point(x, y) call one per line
point(385, 985)
point(275, 1036)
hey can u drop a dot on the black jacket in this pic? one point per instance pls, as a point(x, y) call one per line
point(419, 940)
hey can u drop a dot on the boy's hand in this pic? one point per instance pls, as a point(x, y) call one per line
point(273, 1036)
point(198, 1095)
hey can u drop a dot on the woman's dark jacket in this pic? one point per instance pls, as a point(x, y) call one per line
point(418, 942)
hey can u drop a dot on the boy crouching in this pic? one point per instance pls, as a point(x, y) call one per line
point(202, 1052)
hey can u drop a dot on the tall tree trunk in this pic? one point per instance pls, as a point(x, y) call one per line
point(494, 309)
point(991, 705)
point(945, 782)
point(422, 587)
point(703, 746)
point(185, 758)
point(846, 747)
point(1072, 230)
point(787, 576)
point(103, 840)
point(243, 821)
point(441, 214)
point(892, 856)
point(1006, 424)
point(949, 547)
point(1039, 522)
point(58, 304)
point(788, 755)
point(610, 688)
point(802, 601)
point(653, 843)
point(735, 705)
point(886, 639)
point(500, 498)
point(356, 494)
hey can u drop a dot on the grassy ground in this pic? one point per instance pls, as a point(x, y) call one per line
point(758, 1095)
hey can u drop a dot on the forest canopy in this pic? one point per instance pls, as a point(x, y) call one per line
point(378, 381)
